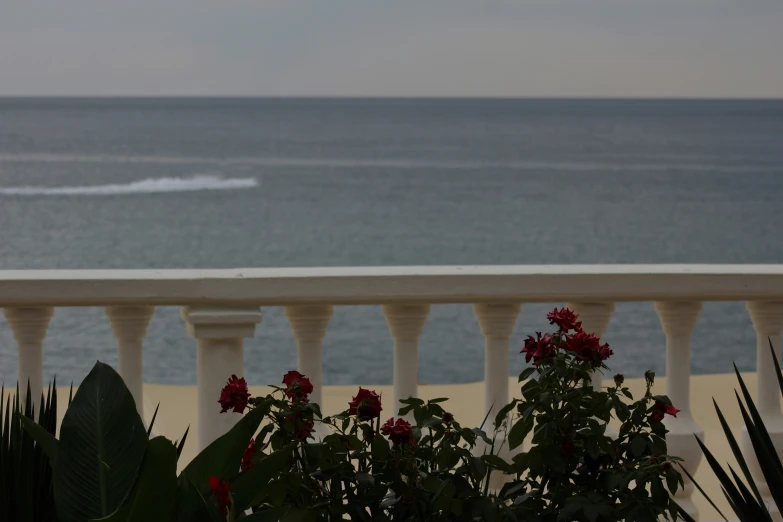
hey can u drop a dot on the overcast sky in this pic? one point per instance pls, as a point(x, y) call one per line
point(630, 48)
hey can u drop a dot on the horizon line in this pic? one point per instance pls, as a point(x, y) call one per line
point(373, 97)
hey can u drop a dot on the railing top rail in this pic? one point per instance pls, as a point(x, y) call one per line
point(378, 285)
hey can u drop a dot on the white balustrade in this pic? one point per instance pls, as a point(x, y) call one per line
point(222, 307)
point(129, 324)
point(595, 319)
point(29, 326)
point(309, 324)
point(406, 322)
point(678, 318)
point(219, 332)
point(767, 319)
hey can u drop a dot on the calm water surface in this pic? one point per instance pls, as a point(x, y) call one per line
point(218, 183)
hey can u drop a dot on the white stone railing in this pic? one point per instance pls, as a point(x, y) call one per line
point(222, 307)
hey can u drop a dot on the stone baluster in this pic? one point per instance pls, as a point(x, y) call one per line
point(595, 319)
point(768, 322)
point(29, 326)
point(219, 332)
point(129, 324)
point(309, 324)
point(678, 320)
point(497, 322)
point(406, 322)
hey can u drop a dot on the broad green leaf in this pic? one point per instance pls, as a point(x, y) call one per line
point(155, 493)
point(102, 444)
point(251, 484)
point(46, 440)
point(223, 456)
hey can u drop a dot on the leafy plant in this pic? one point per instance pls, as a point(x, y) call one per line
point(25, 474)
point(100, 465)
point(574, 470)
point(744, 496)
point(365, 470)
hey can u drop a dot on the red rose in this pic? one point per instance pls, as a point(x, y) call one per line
point(297, 385)
point(447, 418)
point(619, 379)
point(247, 457)
point(565, 319)
point(662, 409)
point(234, 395)
point(221, 490)
point(586, 347)
point(366, 405)
point(538, 348)
point(399, 432)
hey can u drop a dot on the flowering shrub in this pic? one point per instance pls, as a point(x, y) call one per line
point(574, 470)
point(423, 465)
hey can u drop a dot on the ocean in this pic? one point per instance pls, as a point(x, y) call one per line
point(219, 183)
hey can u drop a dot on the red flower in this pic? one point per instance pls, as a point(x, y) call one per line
point(297, 385)
point(662, 409)
point(221, 490)
point(538, 349)
point(399, 432)
point(447, 418)
point(234, 395)
point(586, 347)
point(565, 319)
point(247, 457)
point(619, 379)
point(366, 405)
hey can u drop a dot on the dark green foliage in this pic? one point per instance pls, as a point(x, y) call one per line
point(743, 495)
point(26, 491)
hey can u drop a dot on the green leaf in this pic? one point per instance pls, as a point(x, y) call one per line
point(503, 413)
point(222, 457)
point(497, 462)
point(519, 431)
point(380, 448)
point(249, 487)
point(638, 445)
point(152, 422)
point(526, 373)
point(101, 429)
point(45, 440)
point(155, 492)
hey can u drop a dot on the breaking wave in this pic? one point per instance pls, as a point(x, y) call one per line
point(145, 186)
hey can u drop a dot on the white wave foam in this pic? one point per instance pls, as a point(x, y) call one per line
point(145, 186)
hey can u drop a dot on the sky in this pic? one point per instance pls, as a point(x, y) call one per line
point(493, 48)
